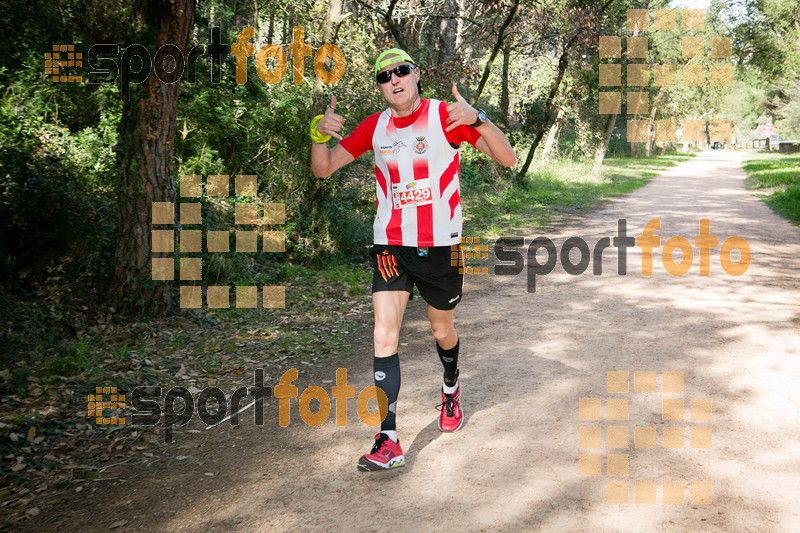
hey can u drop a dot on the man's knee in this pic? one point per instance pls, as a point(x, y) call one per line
point(441, 332)
point(385, 336)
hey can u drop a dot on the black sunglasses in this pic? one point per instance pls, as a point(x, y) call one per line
point(400, 71)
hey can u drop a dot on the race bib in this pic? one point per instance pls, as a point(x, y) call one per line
point(412, 193)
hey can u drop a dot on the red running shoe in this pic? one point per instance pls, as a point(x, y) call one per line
point(385, 454)
point(452, 417)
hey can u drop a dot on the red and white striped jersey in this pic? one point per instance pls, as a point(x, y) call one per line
point(417, 175)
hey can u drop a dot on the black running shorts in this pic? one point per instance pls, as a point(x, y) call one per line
point(400, 268)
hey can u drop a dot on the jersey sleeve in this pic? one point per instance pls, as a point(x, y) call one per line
point(360, 140)
point(460, 134)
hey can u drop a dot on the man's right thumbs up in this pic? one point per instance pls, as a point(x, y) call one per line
point(331, 123)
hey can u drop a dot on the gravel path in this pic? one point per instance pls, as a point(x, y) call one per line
point(527, 360)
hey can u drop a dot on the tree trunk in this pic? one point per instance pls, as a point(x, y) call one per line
point(552, 135)
point(270, 33)
point(459, 25)
point(504, 96)
point(315, 187)
point(600, 154)
point(548, 113)
point(333, 18)
point(397, 33)
point(144, 161)
point(255, 22)
point(448, 33)
point(259, 39)
point(651, 121)
point(495, 50)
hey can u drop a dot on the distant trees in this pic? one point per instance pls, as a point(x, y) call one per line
point(532, 64)
point(767, 42)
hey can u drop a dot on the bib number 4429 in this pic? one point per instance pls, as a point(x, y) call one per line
point(411, 194)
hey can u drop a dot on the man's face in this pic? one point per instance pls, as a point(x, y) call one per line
point(400, 91)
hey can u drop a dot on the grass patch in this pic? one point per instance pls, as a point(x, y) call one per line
point(552, 189)
point(70, 359)
point(776, 179)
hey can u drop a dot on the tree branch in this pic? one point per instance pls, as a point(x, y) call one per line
point(497, 46)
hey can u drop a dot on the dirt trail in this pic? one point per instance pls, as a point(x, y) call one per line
point(527, 359)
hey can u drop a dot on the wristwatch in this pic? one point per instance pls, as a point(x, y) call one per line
point(481, 118)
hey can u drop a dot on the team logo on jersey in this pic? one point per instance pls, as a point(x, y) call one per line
point(421, 146)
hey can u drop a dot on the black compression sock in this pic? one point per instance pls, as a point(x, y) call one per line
point(449, 359)
point(387, 378)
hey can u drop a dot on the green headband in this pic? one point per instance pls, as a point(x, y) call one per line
point(396, 54)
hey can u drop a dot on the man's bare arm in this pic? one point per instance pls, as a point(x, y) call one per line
point(325, 161)
point(493, 142)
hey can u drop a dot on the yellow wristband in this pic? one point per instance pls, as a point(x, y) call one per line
point(316, 136)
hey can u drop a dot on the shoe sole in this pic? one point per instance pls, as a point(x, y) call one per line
point(365, 465)
point(453, 430)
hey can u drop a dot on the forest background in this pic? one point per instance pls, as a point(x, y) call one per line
point(81, 163)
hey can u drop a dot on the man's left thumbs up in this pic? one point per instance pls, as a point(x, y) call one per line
point(460, 112)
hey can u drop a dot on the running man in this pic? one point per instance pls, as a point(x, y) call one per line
point(416, 146)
